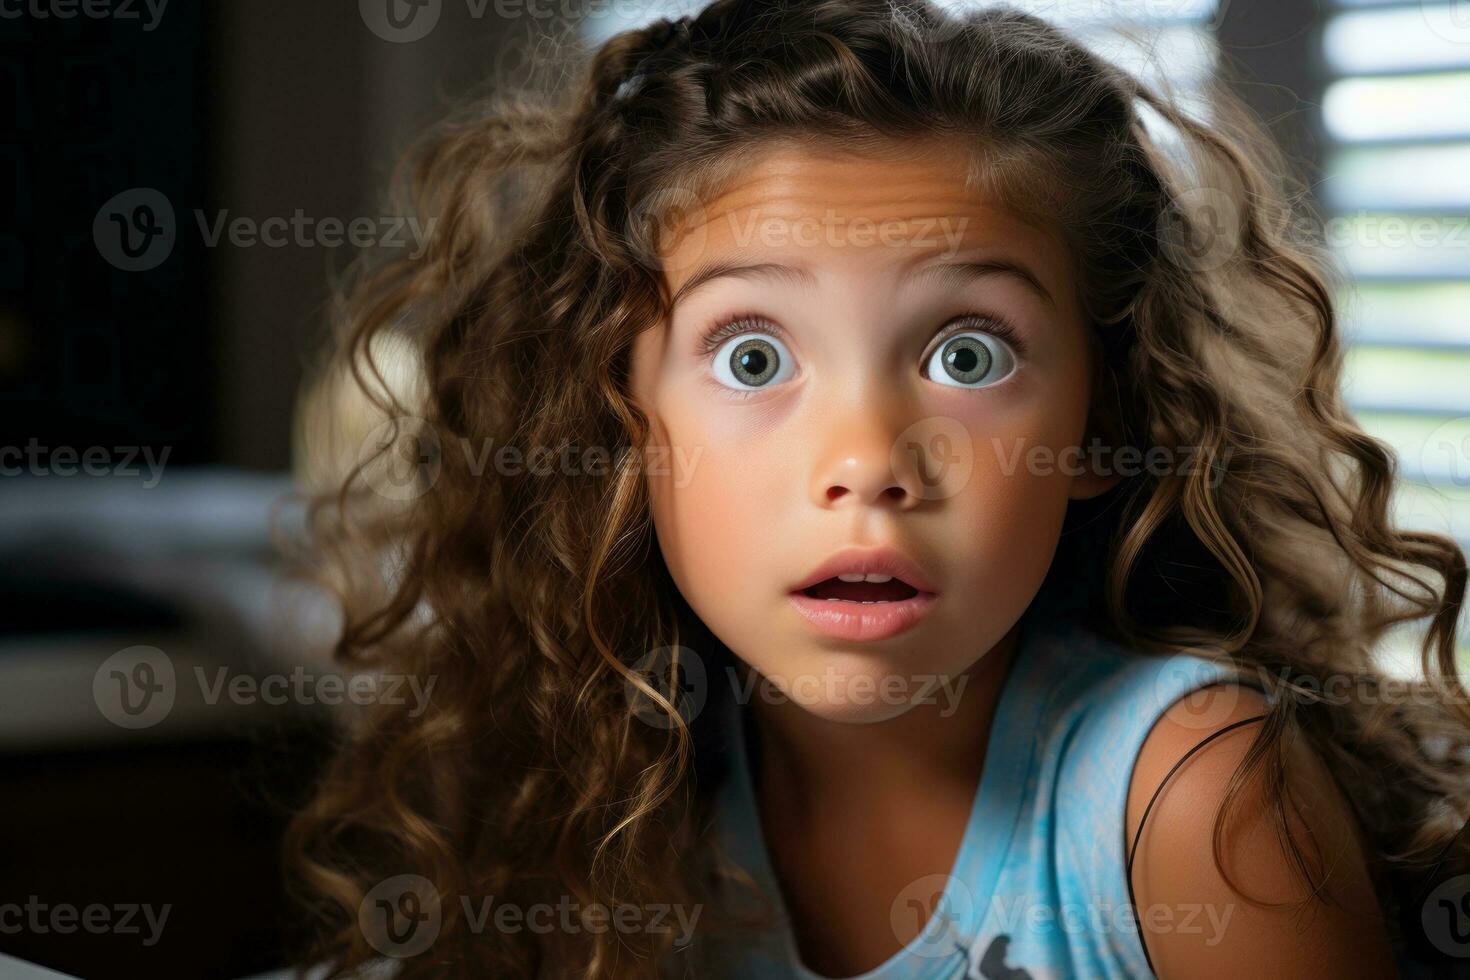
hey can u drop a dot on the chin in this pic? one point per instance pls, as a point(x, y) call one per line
point(856, 686)
point(855, 714)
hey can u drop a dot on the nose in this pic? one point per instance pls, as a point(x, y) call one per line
point(858, 466)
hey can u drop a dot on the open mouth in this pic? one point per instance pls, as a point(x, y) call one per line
point(861, 588)
point(864, 595)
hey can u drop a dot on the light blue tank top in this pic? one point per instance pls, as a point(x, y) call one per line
point(1038, 888)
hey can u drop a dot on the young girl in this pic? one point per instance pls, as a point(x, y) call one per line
point(878, 509)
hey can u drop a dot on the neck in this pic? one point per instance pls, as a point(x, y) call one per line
point(814, 764)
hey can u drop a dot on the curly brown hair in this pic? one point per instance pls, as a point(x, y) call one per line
point(532, 596)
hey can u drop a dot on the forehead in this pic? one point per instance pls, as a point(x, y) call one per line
point(816, 205)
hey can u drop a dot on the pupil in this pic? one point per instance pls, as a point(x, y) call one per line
point(754, 362)
point(967, 360)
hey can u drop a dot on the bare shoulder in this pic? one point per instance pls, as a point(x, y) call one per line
point(1195, 924)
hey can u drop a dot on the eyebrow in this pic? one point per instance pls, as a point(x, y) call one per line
point(953, 272)
point(758, 270)
point(962, 272)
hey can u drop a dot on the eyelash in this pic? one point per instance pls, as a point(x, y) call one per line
point(742, 323)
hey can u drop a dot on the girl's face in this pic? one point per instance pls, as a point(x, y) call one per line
point(860, 409)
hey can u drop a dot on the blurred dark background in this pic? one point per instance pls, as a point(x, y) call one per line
point(175, 358)
point(152, 376)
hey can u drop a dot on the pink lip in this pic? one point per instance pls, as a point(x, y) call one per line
point(863, 621)
point(866, 621)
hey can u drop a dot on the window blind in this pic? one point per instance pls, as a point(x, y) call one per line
point(1395, 118)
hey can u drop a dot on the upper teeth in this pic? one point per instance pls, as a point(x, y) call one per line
point(859, 577)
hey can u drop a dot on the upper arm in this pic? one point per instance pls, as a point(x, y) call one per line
point(1194, 923)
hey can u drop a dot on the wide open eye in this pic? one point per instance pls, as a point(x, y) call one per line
point(751, 361)
point(970, 360)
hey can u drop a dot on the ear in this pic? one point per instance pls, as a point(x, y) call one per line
point(1096, 459)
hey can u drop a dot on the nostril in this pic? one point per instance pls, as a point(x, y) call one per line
point(894, 493)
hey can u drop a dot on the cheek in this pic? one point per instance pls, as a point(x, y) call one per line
point(1010, 518)
point(1012, 508)
point(712, 510)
